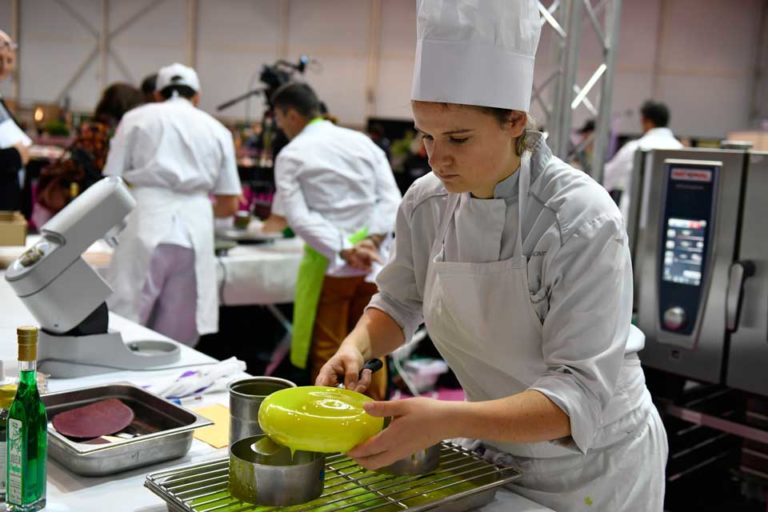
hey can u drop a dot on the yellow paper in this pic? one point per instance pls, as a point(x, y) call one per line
point(216, 435)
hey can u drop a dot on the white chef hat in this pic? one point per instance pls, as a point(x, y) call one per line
point(476, 52)
point(177, 74)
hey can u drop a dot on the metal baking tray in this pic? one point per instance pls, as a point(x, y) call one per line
point(462, 481)
point(162, 431)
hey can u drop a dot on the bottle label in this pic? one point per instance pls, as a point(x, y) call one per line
point(15, 453)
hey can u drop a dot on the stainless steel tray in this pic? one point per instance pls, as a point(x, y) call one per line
point(162, 431)
point(462, 481)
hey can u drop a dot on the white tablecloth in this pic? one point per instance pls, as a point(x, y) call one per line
point(257, 274)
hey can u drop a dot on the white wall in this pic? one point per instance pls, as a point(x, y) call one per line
point(398, 40)
point(696, 55)
point(336, 33)
point(707, 59)
point(235, 37)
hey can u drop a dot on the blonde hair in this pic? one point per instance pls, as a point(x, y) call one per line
point(503, 115)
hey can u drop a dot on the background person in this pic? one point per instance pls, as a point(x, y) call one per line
point(337, 192)
point(14, 143)
point(11, 160)
point(654, 119)
point(174, 157)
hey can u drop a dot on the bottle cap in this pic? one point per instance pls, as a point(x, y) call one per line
point(27, 336)
point(7, 394)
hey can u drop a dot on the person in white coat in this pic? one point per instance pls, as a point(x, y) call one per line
point(335, 189)
point(654, 119)
point(518, 264)
point(174, 157)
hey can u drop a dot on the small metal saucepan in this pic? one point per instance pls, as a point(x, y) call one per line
point(245, 397)
point(265, 473)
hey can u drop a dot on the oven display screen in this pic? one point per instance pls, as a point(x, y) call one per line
point(684, 251)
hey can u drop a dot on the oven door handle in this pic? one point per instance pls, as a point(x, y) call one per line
point(738, 275)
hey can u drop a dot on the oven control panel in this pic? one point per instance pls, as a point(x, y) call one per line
point(688, 225)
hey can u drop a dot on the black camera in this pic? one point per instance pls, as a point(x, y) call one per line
point(280, 73)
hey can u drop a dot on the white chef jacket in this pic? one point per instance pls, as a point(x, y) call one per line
point(579, 274)
point(618, 172)
point(176, 146)
point(331, 182)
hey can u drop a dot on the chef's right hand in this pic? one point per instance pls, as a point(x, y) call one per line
point(362, 255)
point(273, 224)
point(346, 363)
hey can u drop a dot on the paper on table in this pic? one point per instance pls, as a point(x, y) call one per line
point(203, 380)
point(216, 435)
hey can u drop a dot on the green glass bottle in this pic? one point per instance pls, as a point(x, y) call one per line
point(7, 392)
point(27, 432)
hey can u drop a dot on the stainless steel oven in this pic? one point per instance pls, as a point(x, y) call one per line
point(701, 275)
point(701, 258)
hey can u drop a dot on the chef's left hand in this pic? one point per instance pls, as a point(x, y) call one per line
point(417, 423)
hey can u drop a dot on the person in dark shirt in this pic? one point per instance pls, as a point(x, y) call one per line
point(11, 160)
point(15, 155)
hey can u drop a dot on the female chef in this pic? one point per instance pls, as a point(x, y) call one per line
point(518, 265)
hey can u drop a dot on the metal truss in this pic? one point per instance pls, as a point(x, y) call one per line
point(566, 19)
point(104, 34)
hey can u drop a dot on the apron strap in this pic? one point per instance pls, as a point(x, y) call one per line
point(445, 222)
point(523, 185)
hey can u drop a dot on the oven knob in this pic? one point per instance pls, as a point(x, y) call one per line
point(674, 318)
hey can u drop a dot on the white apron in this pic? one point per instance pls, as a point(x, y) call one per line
point(149, 225)
point(480, 317)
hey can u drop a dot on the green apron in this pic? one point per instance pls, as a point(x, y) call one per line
point(309, 284)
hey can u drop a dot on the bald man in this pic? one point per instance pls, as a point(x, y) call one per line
point(13, 141)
